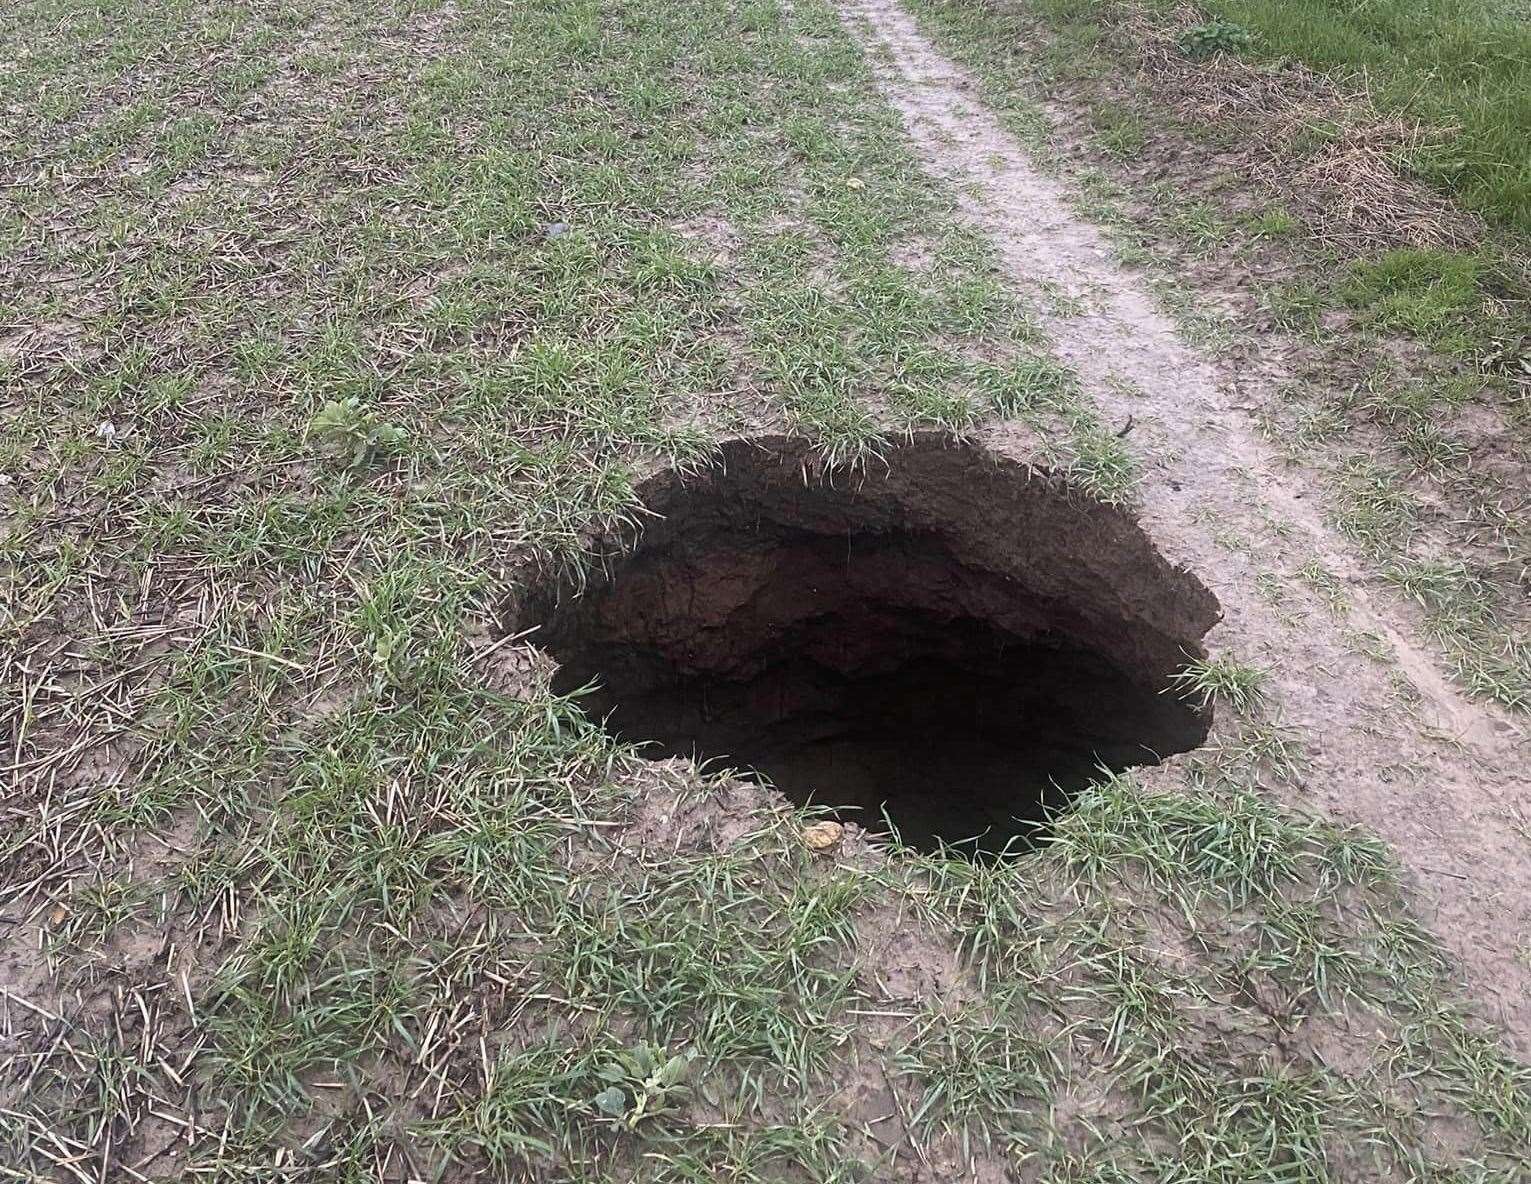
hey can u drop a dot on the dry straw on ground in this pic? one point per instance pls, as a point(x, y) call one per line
point(1317, 141)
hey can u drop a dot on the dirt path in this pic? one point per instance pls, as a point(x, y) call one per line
point(1437, 781)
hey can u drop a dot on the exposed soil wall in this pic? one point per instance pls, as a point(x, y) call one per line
point(955, 640)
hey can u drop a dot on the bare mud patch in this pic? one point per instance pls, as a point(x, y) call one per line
point(946, 641)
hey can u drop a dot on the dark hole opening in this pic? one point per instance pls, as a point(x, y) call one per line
point(950, 644)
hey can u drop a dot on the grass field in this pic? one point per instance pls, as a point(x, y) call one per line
point(322, 323)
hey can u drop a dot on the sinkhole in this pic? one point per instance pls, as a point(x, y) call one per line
point(945, 641)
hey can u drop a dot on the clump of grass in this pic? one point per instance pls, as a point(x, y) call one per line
point(969, 1069)
point(1498, 669)
point(1198, 224)
point(1273, 222)
point(1460, 606)
point(1223, 679)
point(1448, 590)
point(1031, 383)
point(1120, 130)
point(1100, 461)
point(1375, 509)
point(94, 912)
point(1297, 307)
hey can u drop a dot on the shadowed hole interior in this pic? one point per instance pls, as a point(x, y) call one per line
point(947, 640)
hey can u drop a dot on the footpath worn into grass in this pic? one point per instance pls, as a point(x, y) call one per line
point(1382, 334)
point(321, 321)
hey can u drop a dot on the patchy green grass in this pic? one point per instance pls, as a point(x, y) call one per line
point(1460, 607)
point(1460, 65)
point(322, 322)
point(1434, 295)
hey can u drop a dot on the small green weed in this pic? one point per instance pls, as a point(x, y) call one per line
point(1215, 36)
point(643, 1083)
point(357, 434)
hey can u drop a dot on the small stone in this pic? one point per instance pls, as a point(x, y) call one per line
point(855, 183)
point(823, 836)
point(554, 229)
point(106, 430)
